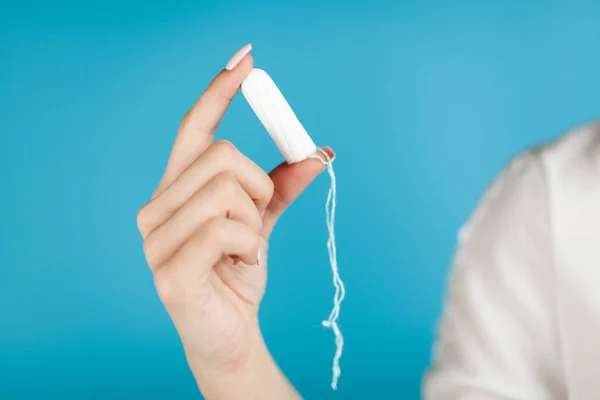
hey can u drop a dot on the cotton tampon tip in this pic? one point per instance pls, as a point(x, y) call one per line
point(238, 56)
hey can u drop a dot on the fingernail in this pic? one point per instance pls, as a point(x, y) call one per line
point(329, 152)
point(258, 257)
point(238, 56)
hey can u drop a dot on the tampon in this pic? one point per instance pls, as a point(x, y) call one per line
point(295, 144)
point(277, 117)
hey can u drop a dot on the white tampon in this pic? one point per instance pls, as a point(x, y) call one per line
point(277, 116)
point(295, 144)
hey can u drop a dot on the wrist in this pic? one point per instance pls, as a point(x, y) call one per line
point(251, 374)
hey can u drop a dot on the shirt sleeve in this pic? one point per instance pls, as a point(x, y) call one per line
point(498, 337)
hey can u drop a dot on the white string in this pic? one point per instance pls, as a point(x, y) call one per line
point(340, 291)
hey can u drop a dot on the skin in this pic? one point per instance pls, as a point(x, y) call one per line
point(205, 234)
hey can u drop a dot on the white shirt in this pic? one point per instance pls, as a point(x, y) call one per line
point(522, 318)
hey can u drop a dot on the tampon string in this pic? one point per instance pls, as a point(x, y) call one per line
point(340, 290)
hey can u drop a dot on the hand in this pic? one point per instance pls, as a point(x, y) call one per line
point(205, 238)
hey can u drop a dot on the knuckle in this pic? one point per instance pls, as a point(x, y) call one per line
point(216, 97)
point(141, 218)
point(167, 292)
point(224, 148)
point(226, 183)
point(144, 219)
point(269, 187)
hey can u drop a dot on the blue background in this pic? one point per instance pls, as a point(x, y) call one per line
point(424, 102)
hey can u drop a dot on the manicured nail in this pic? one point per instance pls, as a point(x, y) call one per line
point(258, 257)
point(329, 152)
point(238, 56)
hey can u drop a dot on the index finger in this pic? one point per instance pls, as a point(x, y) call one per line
point(198, 126)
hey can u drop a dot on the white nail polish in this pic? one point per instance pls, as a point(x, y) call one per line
point(237, 57)
point(258, 257)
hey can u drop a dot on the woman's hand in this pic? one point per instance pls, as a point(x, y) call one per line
point(205, 238)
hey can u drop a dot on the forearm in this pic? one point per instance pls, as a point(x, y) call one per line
point(257, 376)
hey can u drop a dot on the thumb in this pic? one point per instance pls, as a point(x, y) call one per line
point(289, 181)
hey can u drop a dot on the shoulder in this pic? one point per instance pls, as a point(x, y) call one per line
point(501, 291)
point(560, 174)
point(572, 173)
point(576, 155)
